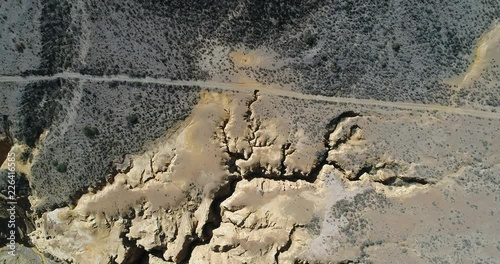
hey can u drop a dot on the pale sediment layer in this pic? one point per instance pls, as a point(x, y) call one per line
point(242, 180)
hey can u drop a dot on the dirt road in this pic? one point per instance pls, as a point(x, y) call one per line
point(263, 90)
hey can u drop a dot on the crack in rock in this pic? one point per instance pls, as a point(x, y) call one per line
point(404, 181)
point(287, 245)
point(343, 137)
point(215, 217)
point(227, 190)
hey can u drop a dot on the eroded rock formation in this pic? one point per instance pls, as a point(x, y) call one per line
point(235, 183)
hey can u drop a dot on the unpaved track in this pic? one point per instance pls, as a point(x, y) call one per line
point(262, 90)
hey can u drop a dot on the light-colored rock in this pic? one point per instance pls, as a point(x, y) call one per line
point(259, 220)
point(234, 183)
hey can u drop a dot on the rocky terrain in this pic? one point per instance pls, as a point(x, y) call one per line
point(247, 178)
point(251, 131)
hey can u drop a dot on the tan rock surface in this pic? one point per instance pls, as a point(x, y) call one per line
point(245, 180)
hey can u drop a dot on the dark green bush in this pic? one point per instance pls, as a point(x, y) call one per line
point(132, 119)
point(90, 132)
point(62, 167)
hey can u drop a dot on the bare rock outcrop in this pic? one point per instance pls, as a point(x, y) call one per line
point(234, 183)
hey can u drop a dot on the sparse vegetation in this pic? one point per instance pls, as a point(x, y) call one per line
point(392, 51)
point(35, 116)
point(396, 47)
point(314, 226)
point(26, 156)
point(102, 128)
point(20, 47)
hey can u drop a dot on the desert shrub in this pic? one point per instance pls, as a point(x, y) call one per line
point(90, 132)
point(132, 119)
point(62, 167)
